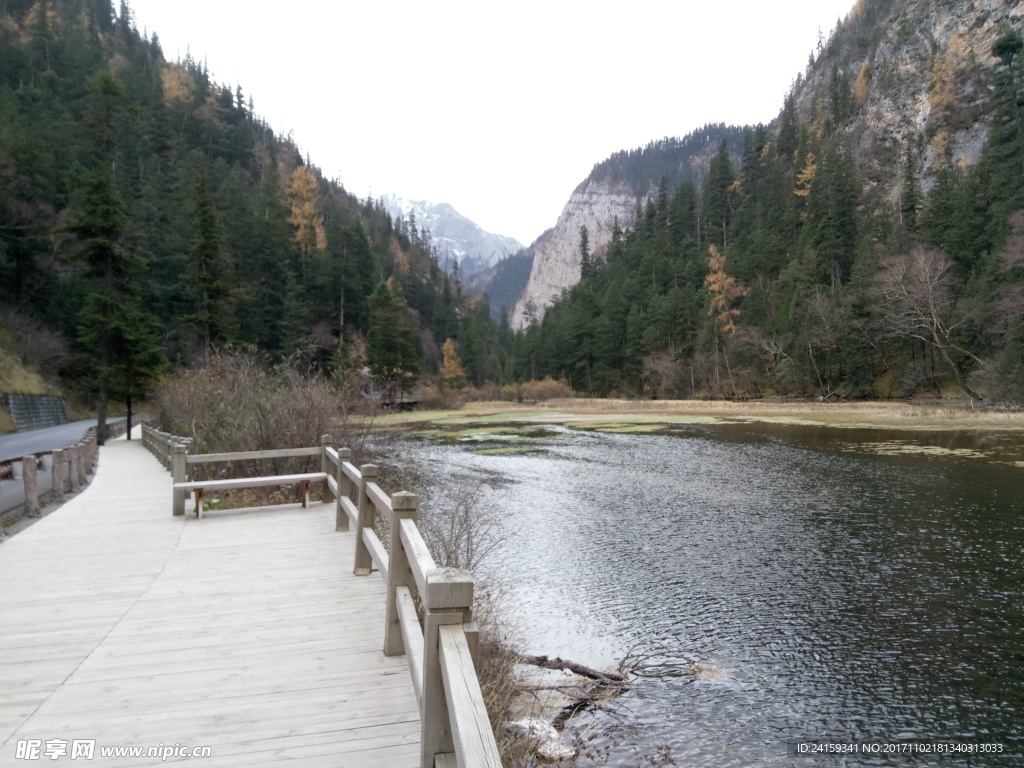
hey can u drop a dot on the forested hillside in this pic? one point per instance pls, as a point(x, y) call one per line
point(148, 214)
point(610, 196)
point(845, 255)
point(869, 242)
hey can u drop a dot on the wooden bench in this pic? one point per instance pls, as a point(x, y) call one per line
point(198, 486)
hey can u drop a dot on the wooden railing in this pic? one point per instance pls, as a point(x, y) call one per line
point(442, 650)
point(69, 469)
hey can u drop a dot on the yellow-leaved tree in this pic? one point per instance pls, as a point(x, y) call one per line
point(303, 196)
point(724, 292)
point(452, 374)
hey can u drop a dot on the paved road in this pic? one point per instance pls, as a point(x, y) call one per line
point(12, 447)
point(43, 440)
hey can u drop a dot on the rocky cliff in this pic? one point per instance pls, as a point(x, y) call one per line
point(612, 192)
point(595, 204)
point(914, 74)
point(919, 74)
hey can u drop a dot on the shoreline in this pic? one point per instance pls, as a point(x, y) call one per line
point(911, 416)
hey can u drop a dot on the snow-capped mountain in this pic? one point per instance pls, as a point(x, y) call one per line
point(453, 235)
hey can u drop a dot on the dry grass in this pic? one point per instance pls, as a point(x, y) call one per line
point(15, 377)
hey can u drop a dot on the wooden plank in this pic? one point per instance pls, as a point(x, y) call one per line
point(420, 559)
point(377, 551)
point(283, 453)
point(332, 456)
point(412, 636)
point(251, 482)
point(471, 729)
point(380, 499)
point(446, 760)
point(333, 485)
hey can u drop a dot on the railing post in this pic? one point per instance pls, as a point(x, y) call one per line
point(344, 491)
point(57, 473)
point(448, 600)
point(178, 476)
point(28, 473)
point(93, 454)
point(76, 484)
point(364, 561)
point(82, 456)
point(404, 506)
point(326, 441)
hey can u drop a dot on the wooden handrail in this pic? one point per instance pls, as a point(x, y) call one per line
point(421, 563)
point(379, 498)
point(283, 453)
point(471, 729)
point(455, 730)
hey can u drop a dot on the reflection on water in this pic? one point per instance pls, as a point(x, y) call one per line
point(843, 591)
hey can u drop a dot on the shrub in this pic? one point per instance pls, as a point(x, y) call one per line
point(546, 389)
point(238, 402)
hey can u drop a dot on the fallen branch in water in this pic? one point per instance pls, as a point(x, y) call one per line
point(571, 666)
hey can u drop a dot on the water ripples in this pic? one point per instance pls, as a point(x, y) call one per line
point(858, 597)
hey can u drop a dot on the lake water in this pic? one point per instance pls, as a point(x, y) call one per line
point(850, 585)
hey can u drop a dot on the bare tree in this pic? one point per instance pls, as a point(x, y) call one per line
point(461, 526)
point(825, 315)
point(915, 293)
point(663, 371)
point(770, 348)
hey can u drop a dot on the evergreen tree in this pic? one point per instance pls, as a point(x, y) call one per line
point(392, 351)
point(111, 271)
point(715, 211)
point(203, 277)
point(1001, 169)
point(911, 191)
point(585, 264)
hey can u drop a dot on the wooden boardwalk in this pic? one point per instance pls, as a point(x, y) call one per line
point(245, 632)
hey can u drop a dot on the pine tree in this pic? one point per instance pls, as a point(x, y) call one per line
point(1002, 166)
point(110, 270)
point(392, 351)
point(789, 135)
point(911, 192)
point(203, 277)
point(715, 209)
point(586, 267)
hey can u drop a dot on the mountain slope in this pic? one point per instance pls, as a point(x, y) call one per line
point(870, 242)
point(914, 74)
point(610, 194)
point(453, 235)
point(227, 235)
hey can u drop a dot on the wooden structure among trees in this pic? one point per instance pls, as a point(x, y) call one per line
point(247, 632)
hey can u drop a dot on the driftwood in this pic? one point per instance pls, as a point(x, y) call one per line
point(606, 685)
point(571, 666)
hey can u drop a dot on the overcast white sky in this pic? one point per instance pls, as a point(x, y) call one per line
point(498, 108)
